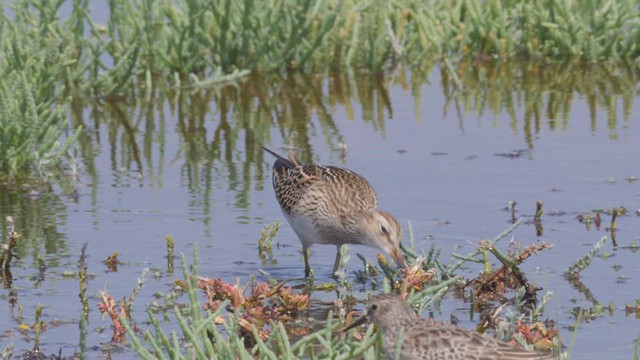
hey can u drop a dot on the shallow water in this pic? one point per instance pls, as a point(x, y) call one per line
point(190, 166)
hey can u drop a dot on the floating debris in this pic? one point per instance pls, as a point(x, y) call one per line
point(112, 262)
point(514, 154)
point(493, 285)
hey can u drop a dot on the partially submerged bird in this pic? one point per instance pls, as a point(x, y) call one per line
point(333, 205)
point(416, 338)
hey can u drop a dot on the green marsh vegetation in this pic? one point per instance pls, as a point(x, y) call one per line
point(298, 336)
point(50, 59)
point(272, 63)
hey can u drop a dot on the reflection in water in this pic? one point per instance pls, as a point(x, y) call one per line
point(37, 219)
point(220, 132)
point(546, 92)
point(217, 127)
point(244, 114)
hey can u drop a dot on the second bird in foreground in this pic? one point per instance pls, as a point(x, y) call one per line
point(333, 205)
point(429, 339)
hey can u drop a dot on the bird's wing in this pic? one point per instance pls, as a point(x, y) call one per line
point(349, 185)
point(292, 184)
point(449, 342)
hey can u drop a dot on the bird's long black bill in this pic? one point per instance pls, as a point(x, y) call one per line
point(356, 323)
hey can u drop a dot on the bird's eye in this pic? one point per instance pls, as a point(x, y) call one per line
point(384, 230)
point(374, 307)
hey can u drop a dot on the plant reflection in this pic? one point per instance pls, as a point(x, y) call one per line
point(546, 92)
point(217, 126)
point(220, 130)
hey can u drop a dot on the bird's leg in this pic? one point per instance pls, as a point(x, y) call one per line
point(305, 253)
point(337, 263)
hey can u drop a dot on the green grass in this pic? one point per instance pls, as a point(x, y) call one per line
point(200, 338)
point(147, 41)
point(33, 124)
point(49, 58)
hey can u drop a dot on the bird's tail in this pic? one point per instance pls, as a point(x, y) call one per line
point(282, 160)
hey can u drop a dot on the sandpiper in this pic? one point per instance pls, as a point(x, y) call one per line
point(417, 338)
point(333, 205)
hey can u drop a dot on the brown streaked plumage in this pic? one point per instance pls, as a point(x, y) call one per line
point(430, 339)
point(333, 205)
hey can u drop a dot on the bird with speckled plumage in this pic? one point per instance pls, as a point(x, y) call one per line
point(412, 337)
point(333, 205)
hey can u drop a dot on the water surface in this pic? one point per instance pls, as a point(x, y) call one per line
point(448, 161)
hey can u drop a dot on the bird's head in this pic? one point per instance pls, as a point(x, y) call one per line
point(382, 230)
point(386, 310)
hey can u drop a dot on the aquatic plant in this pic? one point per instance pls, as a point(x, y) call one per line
point(210, 335)
point(8, 248)
point(34, 133)
point(261, 308)
point(49, 58)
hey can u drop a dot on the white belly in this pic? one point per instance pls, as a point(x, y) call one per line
point(306, 231)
